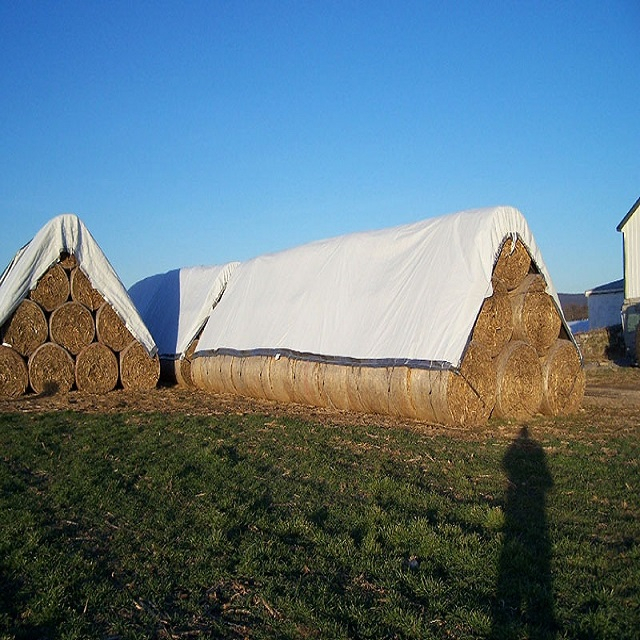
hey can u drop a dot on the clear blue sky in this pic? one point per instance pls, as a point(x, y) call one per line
point(187, 133)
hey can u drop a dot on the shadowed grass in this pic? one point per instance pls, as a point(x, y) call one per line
point(146, 526)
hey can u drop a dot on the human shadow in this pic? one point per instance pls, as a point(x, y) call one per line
point(524, 602)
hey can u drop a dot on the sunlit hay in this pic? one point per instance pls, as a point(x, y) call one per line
point(519, 382)
point(399, 396)
point(27, 328)
point(68, 261)
point(96, 369)
point(246, 375)
point(14, 375)
point(512, 265)
point(71, 325)
point(494, 325)
point(563, 379)
point(51, 369)
point(334, 377)
point(52, 289)
point(536, 319)
point(111, 330)
point(138, 370)
point(82, 290)
point(205, 373)
point(373, 388)
point(281, 379)
point(308, 387)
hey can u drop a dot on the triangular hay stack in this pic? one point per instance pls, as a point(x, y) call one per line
point(175, 306)
point(67, 320)
point(449, 320)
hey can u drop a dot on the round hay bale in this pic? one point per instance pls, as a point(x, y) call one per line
point(512, 265)
point(465, 397)
point(563, 379)
point(52, 289)
point(82, 290)
point(536, 319)
point(308, 388)
point(334, 385)
point(51, 369)
point(14, 375)
point(494, 325)
point(111, 330)
point(519, 382)
point(96, 369)
point(27, 328)
point(71, 325)
point(281, 379)
point(373, 388)
point(205, 373)
point(138, 370)
point(399, 396)
point(68, 261)
point(246, 376)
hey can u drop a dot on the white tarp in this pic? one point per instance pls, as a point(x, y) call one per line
point(175, 305)
point(409, 294)
point(68, 233)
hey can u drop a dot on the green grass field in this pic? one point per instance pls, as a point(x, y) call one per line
point(137, 525)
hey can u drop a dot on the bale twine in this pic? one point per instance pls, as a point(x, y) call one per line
point(138, 370)
point(52, 289)
point(111, 330)
point(68, 261)
point(535, 317)
point(494, 325)
point(373, 388)
point(14, 375)
point(512, 265)
point(280, 384)
point(518, 382)
point(27, 328)
point(82, 290)
point(563, 379)
point(96, 369)
point(71, 325)
point(308, 389)
point(464, 397)
point(51, 369)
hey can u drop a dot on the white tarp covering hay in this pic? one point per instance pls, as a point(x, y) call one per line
point(49, 295)
point(410, 321)
point(175, 307)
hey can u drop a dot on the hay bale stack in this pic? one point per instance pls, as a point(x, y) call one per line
point(83, 292)
point(138, 371)
point(96, 369)
point(71, 326)
point(494, 326)
point(111, 330)
point(27, 328)
point(563, 379)
point(518, 382)
point(52, 289)
point(14, 375)
point(51, 369)
point(512, 265)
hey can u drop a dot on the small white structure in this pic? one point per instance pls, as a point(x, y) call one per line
point(605, 305)
point(630, 228)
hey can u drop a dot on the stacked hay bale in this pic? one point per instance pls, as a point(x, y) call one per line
point(519, 358)
point(64, 334)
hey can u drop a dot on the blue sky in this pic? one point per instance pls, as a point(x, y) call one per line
point(187, 133)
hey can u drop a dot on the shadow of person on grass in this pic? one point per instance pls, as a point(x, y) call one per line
point(524, 602)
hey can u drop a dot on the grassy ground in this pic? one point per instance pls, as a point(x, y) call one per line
point(139, 525)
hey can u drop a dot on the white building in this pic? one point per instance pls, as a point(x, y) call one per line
point(630, 228)
point(605, 305)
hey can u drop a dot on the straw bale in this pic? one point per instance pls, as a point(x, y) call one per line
point(205, 373)
point(111, 330)
point(463, 397)
point(512, 265)
point(96, 369)
point(27, 328)
point(563, 379)
point(138, 370)
point(51, 369)
point(334, 384)
point(281, 379)
point(247, 374)
point(494, 325)
point(71, 325)
point(68, 261)
point(373, 388)
point(52, 289)
point(536, 319)
point(309, 380)
point(519, 382)
point(14, 375)
point(399, 396)
point(82, 290)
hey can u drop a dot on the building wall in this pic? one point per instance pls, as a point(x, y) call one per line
point(604, 309)
point(631, 237)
